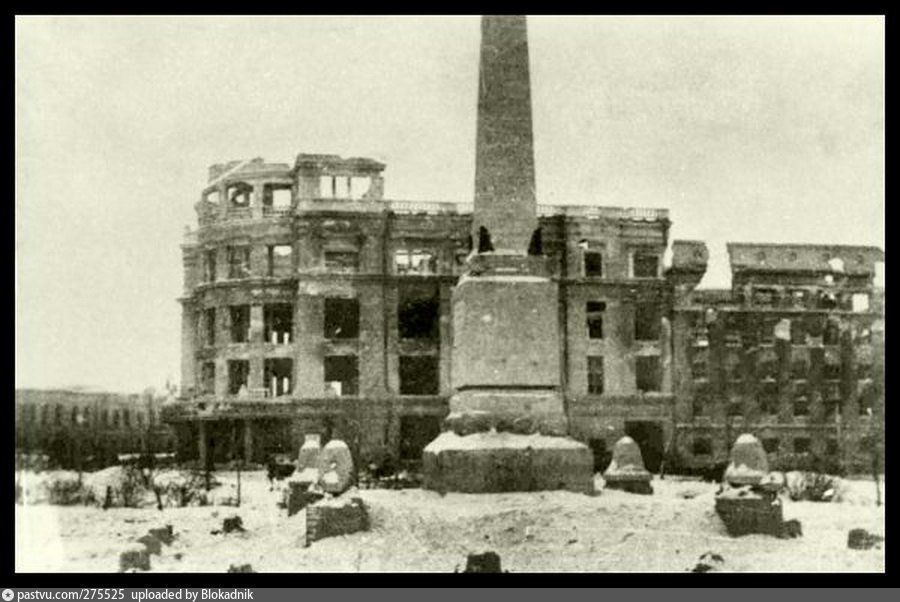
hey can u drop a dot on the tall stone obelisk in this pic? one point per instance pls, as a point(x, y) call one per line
point(507, 425)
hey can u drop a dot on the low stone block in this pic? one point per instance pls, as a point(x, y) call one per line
point(497, 462)
point(339, 516)
point(134, 558)
point(745, 511)
point(488, 562)
point(860, 539)
point(165, 534)
point(466, 423)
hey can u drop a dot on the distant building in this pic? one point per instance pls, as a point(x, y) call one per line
point(314, 305)
point(77, 426)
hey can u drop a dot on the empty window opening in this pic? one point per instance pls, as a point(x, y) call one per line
point(733, 370)
point(327, 187)
point(700, 363)
point(799, 368)
point(74, 418)
point(277, 196)
point(278, 374)
point(341, 318)
point(238, 262)
point(702, 446)
point(280, 264)
point(828, 301)
point(831, 370)
point(418, 314)
point(341, 261)
point(126, 418)
point(799, 298)
point(860, 302)
point(602, 456)
point(767, 331)
point(831, 447)
point(239, 318)
point(802, 445)
point(770, 444)
point(484, 240)
point(595, 311)
point(864, 371)
point(593, 264)
point(832, 334)
point(239, 194)
point(536, 245)
point(646, 265)
point(278, 323)
point(341, 375)
point(801, 406)
point(115, 418)
point(646, 322)
point(408, 261)
point(358, 188)
point(735, 408)
point(764, 296)
point(698, 405)
point(209, 326)
point(595, 374)
point(647, 373)
point(213, 196)
point(418, 375)
point(208, 378)
point(768, 403)
point(238, 374)
point(209, 265)
point(767, 365)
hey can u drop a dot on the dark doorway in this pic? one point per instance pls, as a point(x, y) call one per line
point(415, 433)
point(649, 437)
point(602, 456)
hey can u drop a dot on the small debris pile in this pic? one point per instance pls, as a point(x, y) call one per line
point(487, 562)
point(860, 539)
point(241, 568)
point(709, 562)
point(232, 524)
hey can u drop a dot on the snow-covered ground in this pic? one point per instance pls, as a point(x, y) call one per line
point(418, 530)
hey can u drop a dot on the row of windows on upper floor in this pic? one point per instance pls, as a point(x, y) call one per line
point(812, 330)
point(85, 416)
point(279, 262)
point(804, 298)
point(765, 366)
point(418, 317)
point(769, 403)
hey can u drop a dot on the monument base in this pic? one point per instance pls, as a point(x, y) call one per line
point(492, 462)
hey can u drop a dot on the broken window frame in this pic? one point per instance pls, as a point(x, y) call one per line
point(269, 198)
point(283, 268)
point(278, 323)
point(701, 446)
point(419, 374)
point(592, 262)
point(208, 378)
point(418, 315)
point(422, 262)
point(209, 265)
point(640, 262)
point(595, 311)
point(595, 375)
point(236, 190)
point(238, 261)
point(644, 381)
point(771, 444)
point(209, 327)
point(238, 316)
point(238, 376)
point(341, 318)
point(349, 387)
point(649, 328)
point(802, 445)
point(280, 369)
point(341, 261)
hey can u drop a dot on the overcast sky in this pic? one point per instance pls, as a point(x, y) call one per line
point(747, 129)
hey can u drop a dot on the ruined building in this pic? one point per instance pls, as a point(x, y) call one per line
point(86, 428)
point(313, 304)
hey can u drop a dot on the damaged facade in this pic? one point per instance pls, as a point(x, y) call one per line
point(85, 428)
point(312, 304)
